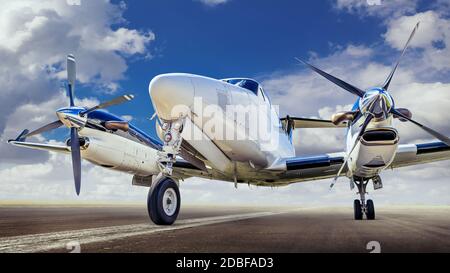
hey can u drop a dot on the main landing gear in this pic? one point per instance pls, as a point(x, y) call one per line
point(163, 202)
point(362, 206)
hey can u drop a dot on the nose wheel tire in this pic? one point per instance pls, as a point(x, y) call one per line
point(370, 210)
point(163, 202)
point(358, 210)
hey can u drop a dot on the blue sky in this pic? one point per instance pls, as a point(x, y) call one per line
point(239, 38)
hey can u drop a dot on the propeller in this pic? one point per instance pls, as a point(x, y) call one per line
point(45, 128)
point(76, 118)
point(350, 88)
point(432, 132)
point(377, 103)
point(71, 78)
point(391, 75)
point(74, 140)
point(76, 158)
point(112, 102)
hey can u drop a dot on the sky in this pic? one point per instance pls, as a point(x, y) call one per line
point(121, 45)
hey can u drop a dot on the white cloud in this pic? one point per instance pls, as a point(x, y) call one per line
point(36, 36)
point(128, 41)
point(312, 92)
point(213, 3)
point(433, 37)
point(52, 180)
point(382, 8)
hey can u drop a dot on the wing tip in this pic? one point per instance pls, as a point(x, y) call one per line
point(20, 138)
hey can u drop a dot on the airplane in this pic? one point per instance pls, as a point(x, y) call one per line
point(109, 141)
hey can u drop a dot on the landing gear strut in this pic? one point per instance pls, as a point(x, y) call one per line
point(362, 206)
point(172, 144)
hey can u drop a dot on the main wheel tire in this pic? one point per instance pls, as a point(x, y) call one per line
point(163, 202)
point(370, 210)
point(358, 210)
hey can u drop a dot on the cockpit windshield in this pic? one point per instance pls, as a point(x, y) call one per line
point(245, 83)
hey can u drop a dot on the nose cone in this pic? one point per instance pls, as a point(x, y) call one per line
point(172, 95)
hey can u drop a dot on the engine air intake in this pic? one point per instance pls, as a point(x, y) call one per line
point(379, 135)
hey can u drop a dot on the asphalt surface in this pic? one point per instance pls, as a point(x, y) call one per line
point(261, 230)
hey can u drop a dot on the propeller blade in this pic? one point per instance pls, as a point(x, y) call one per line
point(358, 138)
point(45, 128)
point(112, 102)
point(350, 88)
point(76, 158)
point(432, 132)
point(71, 77)
point(391, 75)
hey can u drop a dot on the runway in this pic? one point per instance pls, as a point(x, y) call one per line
point(222, 229)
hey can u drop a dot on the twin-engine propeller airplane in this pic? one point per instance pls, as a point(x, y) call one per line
point(112, 142)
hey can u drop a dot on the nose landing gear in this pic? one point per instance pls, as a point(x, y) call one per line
point(172, 144)
point(163, 202)
point(362, 206)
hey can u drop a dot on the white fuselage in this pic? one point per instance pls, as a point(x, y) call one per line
point(227, 137)
point(202, 98)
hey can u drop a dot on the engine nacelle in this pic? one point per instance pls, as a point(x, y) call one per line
point(119, 153)
point(374, 152)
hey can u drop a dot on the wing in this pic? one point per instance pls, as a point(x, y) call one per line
point(41, 146)
point(311, 123)
point(414, 154)
point(299, 169)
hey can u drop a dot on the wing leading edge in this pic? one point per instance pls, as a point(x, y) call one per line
point(41, 146)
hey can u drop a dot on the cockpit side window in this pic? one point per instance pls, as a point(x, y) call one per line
point(245, 83)
point(262, 94)
point(267, 98)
